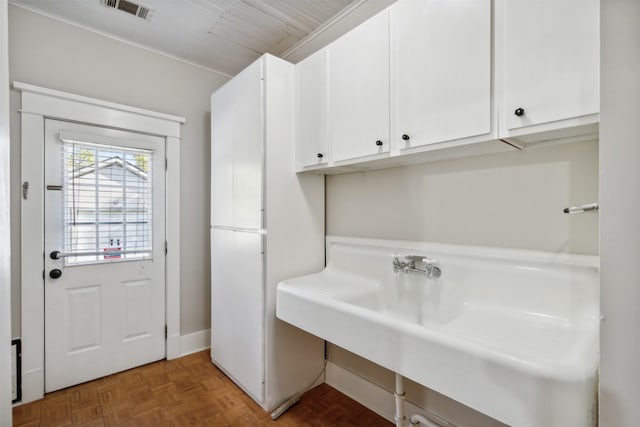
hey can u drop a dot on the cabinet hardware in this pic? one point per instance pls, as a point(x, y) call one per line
point(405, 137)
point(25, 189)
point(319, 155)
point(519, 112)
point(379, 143)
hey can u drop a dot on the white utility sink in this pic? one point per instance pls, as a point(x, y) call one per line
point(510, 333)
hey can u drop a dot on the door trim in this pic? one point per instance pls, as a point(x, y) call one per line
point(38, 104)
point(5, 224)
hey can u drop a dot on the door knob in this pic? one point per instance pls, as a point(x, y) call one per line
point(56, 273)
point(519, 112)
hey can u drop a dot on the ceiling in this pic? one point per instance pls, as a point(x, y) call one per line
point(223, 35)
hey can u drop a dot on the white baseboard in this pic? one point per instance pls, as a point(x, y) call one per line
point(32, 386)
point(374, 397)
point(194, 342)
point(173, 346)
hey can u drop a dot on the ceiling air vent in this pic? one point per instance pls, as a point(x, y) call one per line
point(129, 7)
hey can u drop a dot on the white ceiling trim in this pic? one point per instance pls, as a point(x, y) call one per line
point(114, 37)
point(322, 28)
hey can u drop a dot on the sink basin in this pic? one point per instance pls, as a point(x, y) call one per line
point(510, 333)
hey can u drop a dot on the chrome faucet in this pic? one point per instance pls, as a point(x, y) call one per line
point(431, 269)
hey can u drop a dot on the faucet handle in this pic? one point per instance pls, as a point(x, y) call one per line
point(397, 264)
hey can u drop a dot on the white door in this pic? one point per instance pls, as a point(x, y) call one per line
point(441, 62)
point(359, 90)
point(104, 252)
point(551, 60)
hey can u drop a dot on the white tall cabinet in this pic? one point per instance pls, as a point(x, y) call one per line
point(267, 224)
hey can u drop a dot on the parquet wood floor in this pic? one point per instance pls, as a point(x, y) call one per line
point(189, 391)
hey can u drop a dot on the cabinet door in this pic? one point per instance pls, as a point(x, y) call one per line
point(312, 142)
point(221, 158)
point(441, 78)
point(237, 146)
point(359, 90)
point(222, 299)
point(248, 147)
point(551, 60)
point(237, 308)
point(248, 312)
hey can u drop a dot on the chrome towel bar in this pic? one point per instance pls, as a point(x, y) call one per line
point(591, 207)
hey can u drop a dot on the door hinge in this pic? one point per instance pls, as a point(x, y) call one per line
point(166, 163)
point(166, 247)
point(166, 332)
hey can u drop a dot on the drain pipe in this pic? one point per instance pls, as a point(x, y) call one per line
point(421, 419)
point(400, 417)
point(399, 395)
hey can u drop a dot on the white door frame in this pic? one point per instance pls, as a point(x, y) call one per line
point(5, 227)
point(38, 104)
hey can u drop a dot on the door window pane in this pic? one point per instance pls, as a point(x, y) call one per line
point(108, 203)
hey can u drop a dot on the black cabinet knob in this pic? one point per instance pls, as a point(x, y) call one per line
point(319, 155)
point(379, 143)
point(405, 137)
point(55, 255)
point(519, 112)
point(55, 273)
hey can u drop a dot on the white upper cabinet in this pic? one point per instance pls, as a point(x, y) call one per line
point(312, 129)
point(359, 90)
point(237, 146)
point(440, 71)
point(426, 80)
point(550, 64)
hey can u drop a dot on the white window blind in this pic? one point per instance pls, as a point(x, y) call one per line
point(108, 213)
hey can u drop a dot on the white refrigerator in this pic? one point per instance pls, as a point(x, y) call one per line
point(267, 224)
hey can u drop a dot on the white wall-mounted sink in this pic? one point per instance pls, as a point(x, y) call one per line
point(510, 333)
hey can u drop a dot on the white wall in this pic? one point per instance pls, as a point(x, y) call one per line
point(620, 214)
point(5, 227)
point(53, 54)
point(512, 200)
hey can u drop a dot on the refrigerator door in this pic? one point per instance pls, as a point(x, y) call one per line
point(237, 309)
point(237, 151)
